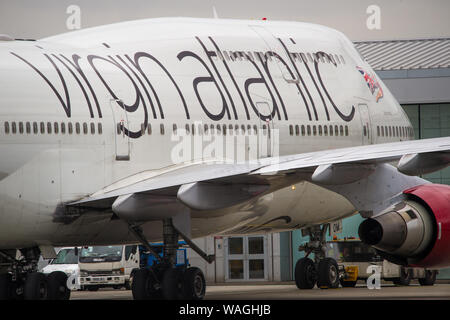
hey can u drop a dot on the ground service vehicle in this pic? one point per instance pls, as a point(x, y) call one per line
point(66, 261)
point(107, 266)
point(354, 257)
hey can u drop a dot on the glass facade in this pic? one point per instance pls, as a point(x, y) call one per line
point(431, 121)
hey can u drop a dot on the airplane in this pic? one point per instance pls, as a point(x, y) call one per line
point(169, 128)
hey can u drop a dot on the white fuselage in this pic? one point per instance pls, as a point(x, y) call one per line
point(62, 99)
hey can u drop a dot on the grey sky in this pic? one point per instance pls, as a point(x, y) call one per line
point(400, 19)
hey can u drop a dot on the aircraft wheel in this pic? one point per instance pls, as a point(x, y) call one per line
point(405, 277)
point(57, 286)
point(328, 274)
point(35, 287)
point(430, 278)
point(194, 284)
point(305, 274)
point(172, 284)
point(143, 286)
point(5, 285)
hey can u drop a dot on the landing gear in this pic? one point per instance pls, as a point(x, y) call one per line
point(405, 277)
point(166, 280)
point(322, 271)
point(430, 278)
point(21, 280)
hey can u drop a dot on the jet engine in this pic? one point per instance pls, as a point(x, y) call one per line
point(416, 231)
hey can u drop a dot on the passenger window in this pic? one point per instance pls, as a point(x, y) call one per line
point(92, 128)
point(35, 128)
point(13, 127)
point(218, 129)
point(174, 128)
point(28, 127)
point(303, 130)
point(77, 127)
point(325, 130)
point(70, 127)
point(314, 130)
point(161, 129)
point(211, 127)
point(320, 130)
point(119, 128)
point(49, 128)
point(56, 127)
point(291, 130)
point(187, 128)
point(308, 129)
point(205, 129)
point(255, 129)
point(224, 129)
point(346, 130)
point(297, 130)
point(243, 129)
point(336, 130)
point(63, 128)
point(341, 131)
point(149, 128)
point(7, 127)
point(142, 129)
point(378, 131)
point(21, 127)
point(85, 128)
point(331, 130)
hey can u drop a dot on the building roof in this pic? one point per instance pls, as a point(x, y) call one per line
point(406, 54)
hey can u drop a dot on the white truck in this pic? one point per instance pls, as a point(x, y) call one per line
point(66, 261)
point(354, 257)
point(107, 266)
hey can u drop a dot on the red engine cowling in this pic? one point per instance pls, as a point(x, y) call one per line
point(437, 199)
point(416, 232)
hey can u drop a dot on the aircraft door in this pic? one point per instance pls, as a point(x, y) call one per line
point(122, 141)
point(367, 136)
point(274, 45)
point(265, 131)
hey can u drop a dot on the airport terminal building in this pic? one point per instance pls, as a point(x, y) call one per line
point(417, 72)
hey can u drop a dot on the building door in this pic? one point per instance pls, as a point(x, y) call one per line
point(122, 141)
point(246, 258)
point(365, 123)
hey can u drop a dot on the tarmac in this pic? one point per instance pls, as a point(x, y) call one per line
point(289, 291)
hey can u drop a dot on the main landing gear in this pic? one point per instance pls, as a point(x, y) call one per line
point(323, 271)
point(165, 280)
point(19, 279)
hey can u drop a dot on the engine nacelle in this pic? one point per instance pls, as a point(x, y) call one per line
point(416, 232)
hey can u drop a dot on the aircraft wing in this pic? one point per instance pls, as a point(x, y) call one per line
point(199, 185)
